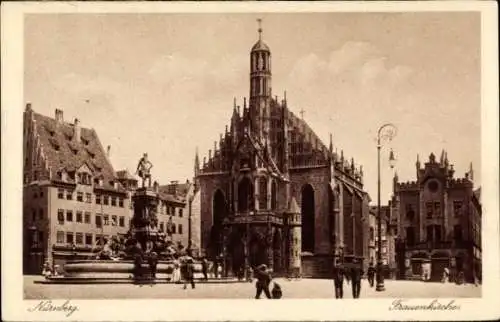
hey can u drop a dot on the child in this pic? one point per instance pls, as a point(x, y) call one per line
point(276, 292)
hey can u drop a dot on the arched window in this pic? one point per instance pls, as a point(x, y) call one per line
point(245, 195)
point(262, 193)
point(274, 196)
point(308, 222)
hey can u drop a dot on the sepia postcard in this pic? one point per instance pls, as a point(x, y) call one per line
point(191, 161)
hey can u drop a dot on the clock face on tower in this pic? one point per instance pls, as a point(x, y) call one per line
point(433, 185)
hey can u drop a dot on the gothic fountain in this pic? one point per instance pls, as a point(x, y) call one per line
point(143, 240)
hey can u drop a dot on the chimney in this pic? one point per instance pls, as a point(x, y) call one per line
point(108, 151)
point(77, 129)
point(28, 107)
point(59, 116)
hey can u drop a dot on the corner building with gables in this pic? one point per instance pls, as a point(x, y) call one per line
point(271, 192)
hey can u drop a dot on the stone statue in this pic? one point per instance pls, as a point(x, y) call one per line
point(144, 170)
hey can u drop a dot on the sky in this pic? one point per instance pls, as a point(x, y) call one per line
point(165, 83)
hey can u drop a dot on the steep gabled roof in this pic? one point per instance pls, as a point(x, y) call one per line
point(62, 152)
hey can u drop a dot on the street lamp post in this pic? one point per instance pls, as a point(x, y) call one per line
point(385, 132)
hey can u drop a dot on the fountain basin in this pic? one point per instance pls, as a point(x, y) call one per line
point(121, 269)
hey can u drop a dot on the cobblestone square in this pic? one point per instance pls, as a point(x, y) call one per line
point(305, 288)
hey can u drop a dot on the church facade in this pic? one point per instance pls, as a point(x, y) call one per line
point(271, 192)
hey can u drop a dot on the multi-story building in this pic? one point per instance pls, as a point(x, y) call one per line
point(73, 200)
point(388, 239)
point(266, 160)
point(439, 222)
point(71, 196)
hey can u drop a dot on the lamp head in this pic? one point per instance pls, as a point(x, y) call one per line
point(392, 159)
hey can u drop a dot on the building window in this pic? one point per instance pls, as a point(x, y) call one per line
point(437, 209)
point(113, 201)
point(372, 234)
point(98, 239)
point(437, 233)
point(173, 228)
point(98, 199)
point(98, 221)
point(69, 195)
point(410, 236)
point(60, 237)
point(162, 226)
point(457, 233)
point(120, 202)
point(106, 200)
point(69, 215)
point(106, 220)
point(69, 238)
point(79, 239)
point(88, 197)
point(122, 221)
point(33, 215)
point(79, 196)
point(457, 208)
point(180, 229)
point(60, 216)
point(114, 220)
point(87, 217)
point(430, 237)
point(180, 212)
point(88, 239)
point(35, 195)
point(40, 214)
point(410, 213)
point(430, 210)
point(60, 193)
point(79, 216)
point(41, 194)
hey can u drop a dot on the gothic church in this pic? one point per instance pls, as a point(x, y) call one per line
point(272, 193)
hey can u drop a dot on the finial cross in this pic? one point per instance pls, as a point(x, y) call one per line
point(259, 21)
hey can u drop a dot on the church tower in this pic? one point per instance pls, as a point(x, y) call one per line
point(260, 87)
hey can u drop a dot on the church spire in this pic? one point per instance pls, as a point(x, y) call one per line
point(196, 163)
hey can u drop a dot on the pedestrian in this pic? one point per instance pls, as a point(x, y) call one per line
point(338, 280)
point(153, 262)
point(216, 268)
point(47, 270)
point(356, 274)
point(189, 272)
point(204, 268)
point(276, 292)
point(137, 266)
point(176, 274)
point(263, 280)
point(371, 274)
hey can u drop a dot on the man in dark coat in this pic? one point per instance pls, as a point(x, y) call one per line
point(263, 280)
point(189, 273)
point(338, 280)
point(356, 275)
point(204, 267)
point(371, 274)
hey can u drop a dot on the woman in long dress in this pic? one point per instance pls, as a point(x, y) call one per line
point(176, 275)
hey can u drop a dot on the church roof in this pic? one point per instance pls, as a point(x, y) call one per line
point(260, 46)
point(63, 153)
